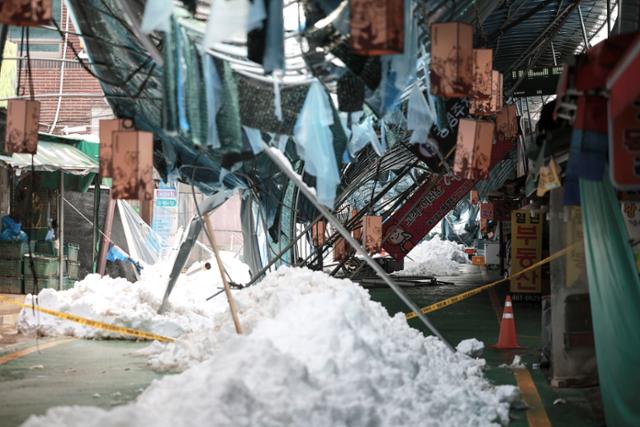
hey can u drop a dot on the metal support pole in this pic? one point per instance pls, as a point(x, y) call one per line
point(96, 228)
point(106, 238)
point(275, 156)
point(503, 247)
point(584, 30)
point(208, 228)
point(553, 52)
point(61, 234)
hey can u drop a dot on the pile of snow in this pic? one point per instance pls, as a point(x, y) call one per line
point(135, 305)
point(317, 351)
point(434, 257)
point(471, 347)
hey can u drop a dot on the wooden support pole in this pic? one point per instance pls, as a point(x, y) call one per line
point(106, 237)
point(208, 228)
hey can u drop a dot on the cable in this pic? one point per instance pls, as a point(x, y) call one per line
point(61, 84)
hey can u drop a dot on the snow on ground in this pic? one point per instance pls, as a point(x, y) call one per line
point(434, 257)
point(317, 351)
point(135, 305)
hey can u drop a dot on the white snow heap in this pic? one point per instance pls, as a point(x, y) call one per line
point(134, 305)
point(471, 347)
point(317, 352)
point(434, 257)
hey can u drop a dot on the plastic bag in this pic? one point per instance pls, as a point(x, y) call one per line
point(314, 143)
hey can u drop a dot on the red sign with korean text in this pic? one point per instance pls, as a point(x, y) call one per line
point(422, 212)
point(526, 250)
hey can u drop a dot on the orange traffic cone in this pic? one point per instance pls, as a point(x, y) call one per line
point(507, 338)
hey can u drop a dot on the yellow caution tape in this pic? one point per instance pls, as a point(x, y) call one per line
point(464, 295)
point(92, 323)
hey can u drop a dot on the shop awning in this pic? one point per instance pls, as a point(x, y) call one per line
point(51, 157)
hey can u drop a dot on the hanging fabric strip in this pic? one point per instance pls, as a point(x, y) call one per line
point(277, 101)
point(255, 139)
point(157, 16)
point(614, 292)
point(419, 116)
point(314, 141)
point(213, 88)
point(274, 48)
point(227, 19)
point(180, 84)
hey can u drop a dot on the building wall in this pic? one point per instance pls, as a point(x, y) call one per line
point(46, 51)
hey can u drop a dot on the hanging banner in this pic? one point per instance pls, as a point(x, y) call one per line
point(486, 215)
point(422, 212)
point(526, 250)
point(165, 214)
point(576, 268)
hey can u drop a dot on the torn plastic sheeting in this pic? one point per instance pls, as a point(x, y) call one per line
point(314, 142)
point(157, 16)
point(255, 139)
point(144, 244)
point(227, 19)
point(419, 116)
point(213, 89)
point(363, 134)
point(614, 292)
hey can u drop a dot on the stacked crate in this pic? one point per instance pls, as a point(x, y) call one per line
point(47, 266)
point(11, 254)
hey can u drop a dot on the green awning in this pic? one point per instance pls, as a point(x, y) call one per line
point(51, 157)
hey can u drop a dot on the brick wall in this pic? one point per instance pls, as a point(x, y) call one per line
point(74, 111)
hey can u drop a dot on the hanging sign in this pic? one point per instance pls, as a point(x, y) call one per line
point(624, 147)
point(318, 233)
point(340, 249)
point(377, 27)
point(428, 205)
point(482, 68)
point(526, 250)
point(548, 178)
point(165, 213)
point(536, 81)
point(25, 12)
point(451, 59)
point(474, 198)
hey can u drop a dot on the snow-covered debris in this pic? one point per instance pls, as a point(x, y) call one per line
point(471, 347)
point(434, 257)
point(317, 351)
point(515, 364)
point(134, 305)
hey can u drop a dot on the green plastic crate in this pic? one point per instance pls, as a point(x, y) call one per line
point(10, 267)
point(44, 266)
point(43, 283)
point(72, 270)
point(14, 250)
point(11, 285)
point(45, 247)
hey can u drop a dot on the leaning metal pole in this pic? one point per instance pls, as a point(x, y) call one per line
point(274, 155)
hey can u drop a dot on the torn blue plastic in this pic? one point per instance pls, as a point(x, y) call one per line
point(182, 108)
point(419, 116)
point(363, 134)
point(157, 16)
point(255, 139)
point(398, 71)
point(213, 89)
point(314, 142)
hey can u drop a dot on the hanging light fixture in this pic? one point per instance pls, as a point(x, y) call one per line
point(132, 165)
point(107, 128)
point(451, 59)
point(473, 148)
point(25, 12)
point(318, 231)
point(23, 118)
point(377, 27)
point(372, 230)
